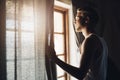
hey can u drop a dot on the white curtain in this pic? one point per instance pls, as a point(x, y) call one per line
point(27, 37)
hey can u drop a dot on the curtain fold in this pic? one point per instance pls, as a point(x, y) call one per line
point(2, 41)
point(40, 32)
point(50, 66)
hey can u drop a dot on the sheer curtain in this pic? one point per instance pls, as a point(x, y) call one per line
point(27, 22)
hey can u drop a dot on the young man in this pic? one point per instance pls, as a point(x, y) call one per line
point(93, 63)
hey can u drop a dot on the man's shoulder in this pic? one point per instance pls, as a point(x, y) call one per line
point(93, 38)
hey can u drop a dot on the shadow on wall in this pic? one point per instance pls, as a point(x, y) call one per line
point(113, 71)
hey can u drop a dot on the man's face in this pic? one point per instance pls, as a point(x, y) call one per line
point(77, 23)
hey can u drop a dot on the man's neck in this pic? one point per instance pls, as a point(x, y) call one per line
point(86, 33)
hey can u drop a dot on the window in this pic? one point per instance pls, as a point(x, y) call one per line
point(61, 38)
point(20, 42)
point(23, 60)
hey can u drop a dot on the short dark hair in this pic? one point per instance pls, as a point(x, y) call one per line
point(92, 14)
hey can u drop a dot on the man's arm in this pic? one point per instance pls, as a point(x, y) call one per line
point(79, 73)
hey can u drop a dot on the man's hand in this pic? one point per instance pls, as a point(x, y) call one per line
point(52, 53)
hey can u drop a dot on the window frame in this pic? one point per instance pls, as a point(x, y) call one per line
point(64, 11)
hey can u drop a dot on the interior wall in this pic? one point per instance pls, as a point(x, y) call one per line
point(110, 31)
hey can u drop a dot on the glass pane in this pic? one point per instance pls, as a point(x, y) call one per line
point(27, 45)
point(62, 57)
point(27, 15)
point(62, 78)
point(58, 22)
point(10, 24)
point(10, 70)
point(28, 70)
point(27, 25)
point(10, 44)
point(60, 71)
point(10, 12)
point(59, 43)
point(27, 19)
point(10, 6)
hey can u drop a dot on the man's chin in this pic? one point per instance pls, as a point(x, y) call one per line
point(77, 30)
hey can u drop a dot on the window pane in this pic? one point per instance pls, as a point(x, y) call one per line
point(62, 78)
point(28, 70)
point(10, 14)
point(10, 44)
point(27, 15)
point(10, 70)
point(62, 57)
point(10, 24)
point(59, 43)
point(27, 25)
point(58, 22)
point(60, 71)
point(27, 45)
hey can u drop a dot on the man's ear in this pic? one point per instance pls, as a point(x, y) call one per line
point(87, 20)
